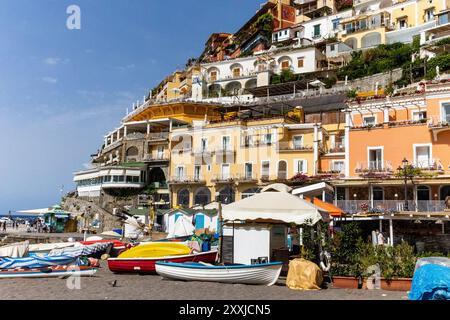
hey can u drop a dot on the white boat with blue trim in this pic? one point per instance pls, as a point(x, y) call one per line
point(257, 274)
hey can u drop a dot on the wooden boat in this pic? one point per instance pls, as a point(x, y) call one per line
point(147, 265)
point(54, 271)
point(156, 249)
point(259, 274)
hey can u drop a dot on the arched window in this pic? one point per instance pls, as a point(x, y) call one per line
point(202, 196)
point(371, 40)
point(132, 154)
point(445, 192)
point(351, 42)
point(282, 170)
point(183, 198)
point(233, 88)
point(226, 195)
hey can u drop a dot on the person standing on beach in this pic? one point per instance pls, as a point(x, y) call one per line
point(4, 226)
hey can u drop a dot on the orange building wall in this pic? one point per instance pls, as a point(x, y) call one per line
point(398, 143)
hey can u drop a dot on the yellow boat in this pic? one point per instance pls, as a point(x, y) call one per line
point(156, 250)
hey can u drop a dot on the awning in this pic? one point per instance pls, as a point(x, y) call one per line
point(115, 172)
point(332, 209)
point(86, 176)
point(34, 211)
point(276, 206)
point(133, 173)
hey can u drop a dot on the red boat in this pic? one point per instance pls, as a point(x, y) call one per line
point(147, 265)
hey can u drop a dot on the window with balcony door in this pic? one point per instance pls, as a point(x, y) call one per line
point(369, 120)
point(265, 169)
point(402, 23)
point(363, 24)
point(213, 76)
point(225, 171)
point(338, 166)
point(419, 115)
point(300, 62)
point(204, 144)
point(226, 143)
point(236, 72)
point(300, 166)
point(160, 152)
point(423, 156)
point(248, 140)
point(180, 172)
point(429, 15)
point(248, 170)
point(444, 18)
point(267, 139)
point(298, 142)
point(197, 170)
point(375, 159)
point(446, 112)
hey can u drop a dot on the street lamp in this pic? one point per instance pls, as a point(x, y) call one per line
point(404, 170)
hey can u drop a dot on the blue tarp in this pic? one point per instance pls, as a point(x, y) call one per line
point(431, 282)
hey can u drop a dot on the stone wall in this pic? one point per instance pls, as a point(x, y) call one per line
point(108, 221)
point(368, 83)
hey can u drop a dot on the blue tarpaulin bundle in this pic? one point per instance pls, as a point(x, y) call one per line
point(431, 282)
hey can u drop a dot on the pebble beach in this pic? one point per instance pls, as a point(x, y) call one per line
point(153, 287)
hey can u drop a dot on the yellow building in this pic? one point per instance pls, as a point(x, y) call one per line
point(379, 22)
point(234, 159)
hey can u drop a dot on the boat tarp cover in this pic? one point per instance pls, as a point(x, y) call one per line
point(304, 275)
point(86, 250)
point(278, 206)
point(183, 227)
point(431, 282)
point(36, 262)
point(15, 250)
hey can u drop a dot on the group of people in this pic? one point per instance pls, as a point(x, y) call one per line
point(36, 226)
point(4, 224)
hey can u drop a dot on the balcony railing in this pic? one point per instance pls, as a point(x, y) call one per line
point(157, 158)
point(135, 136)
point(430, 165)
point(389, 206)
point(186, 179)
point(437, 122)
point(289, 146)
point(374, 167)
point(223, 178)
point(339, 149)
point(246, 177)
point(158, 136)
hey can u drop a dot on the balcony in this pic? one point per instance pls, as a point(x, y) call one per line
point(338, 149)
point(223, 179)
point(112, 146)
point(246, 178)
point(374, 168)
point(158, 158)
point(174, 180)
point(288, 146)
point(246, 75)
point(135, 136)
point(434, 165)
point(389, 206)
point(158, 137)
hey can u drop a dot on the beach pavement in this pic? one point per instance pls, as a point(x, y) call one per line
point(153, 287)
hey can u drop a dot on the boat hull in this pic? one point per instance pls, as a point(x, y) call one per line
point(262, 274)
point(51, 272)
point(147, 265)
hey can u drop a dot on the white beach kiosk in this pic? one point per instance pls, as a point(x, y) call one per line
point(256, 226)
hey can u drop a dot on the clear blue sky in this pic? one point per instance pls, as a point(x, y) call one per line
point(61, 90)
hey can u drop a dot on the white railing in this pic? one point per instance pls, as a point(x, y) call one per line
point(374, 166)
point(430, 164)
point(389, 206)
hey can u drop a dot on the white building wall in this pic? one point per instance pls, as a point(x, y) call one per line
point(326, 26)
point(251, 242)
